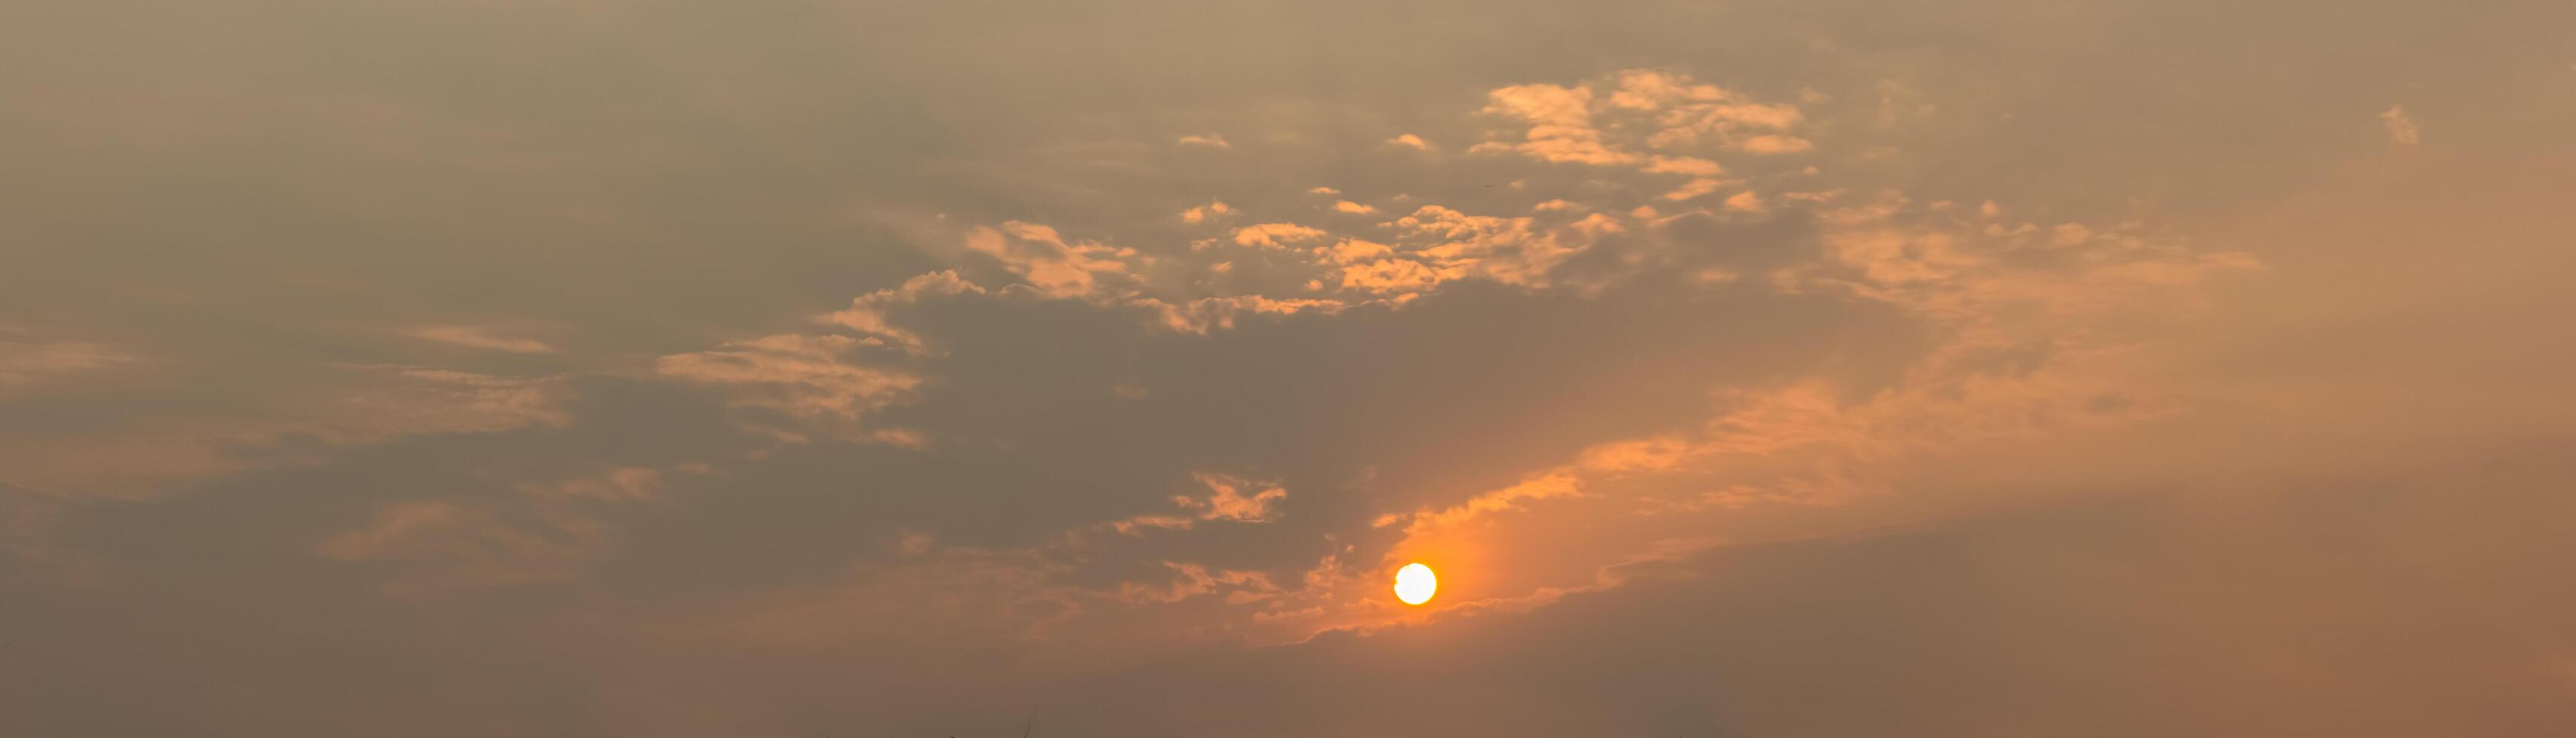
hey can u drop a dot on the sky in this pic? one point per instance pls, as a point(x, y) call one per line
point(645, 368)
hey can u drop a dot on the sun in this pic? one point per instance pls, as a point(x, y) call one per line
point(1415, 583)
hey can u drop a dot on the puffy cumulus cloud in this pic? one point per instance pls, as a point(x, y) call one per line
point(1201, 214)
point(1410, 141)
point(1559, 125)
point(1346, 206)
point(1450, 244)
point(1648, 109)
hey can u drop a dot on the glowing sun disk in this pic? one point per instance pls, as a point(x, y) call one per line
point(1415, 583)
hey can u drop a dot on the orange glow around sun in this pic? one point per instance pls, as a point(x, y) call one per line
point(1414, 584)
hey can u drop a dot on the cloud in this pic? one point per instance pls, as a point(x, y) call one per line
point(1137, 525)
point(1210, 140)
point(1559, 125)
point(1772, 143)
point(2069, 234)
point(1040, 255)
point(623, 484)
point(814, 377)
point(480, 337)
point(338, 407)
point(1410, 141)
point(1683, 165)
point(428, 400)
point(1350, 251)
point(1452, 244)
point(2177, 609)
point(871, 314)
point(1202, 213)
point(1219, 313)
point(445, 546)
point(1542, 487)
point(1657, 122)
point(1745, 202)
point(24, 365)
point(1274, 235)
point(1346, 206)
point(1388, 276)
point(2402, 130)
point(1694, 188)
point(1195, 580)
point(1227, 499)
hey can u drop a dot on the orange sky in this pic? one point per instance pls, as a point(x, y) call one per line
point(1828, 368)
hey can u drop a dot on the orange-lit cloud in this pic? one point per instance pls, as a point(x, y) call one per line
point(1202, 213)
point(1274, 235)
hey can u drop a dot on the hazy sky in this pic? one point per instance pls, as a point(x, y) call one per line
point(1745, 368)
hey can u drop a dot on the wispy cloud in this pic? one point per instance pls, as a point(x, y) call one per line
point(26, 364)
point(481, 337)
point(2402, 130)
